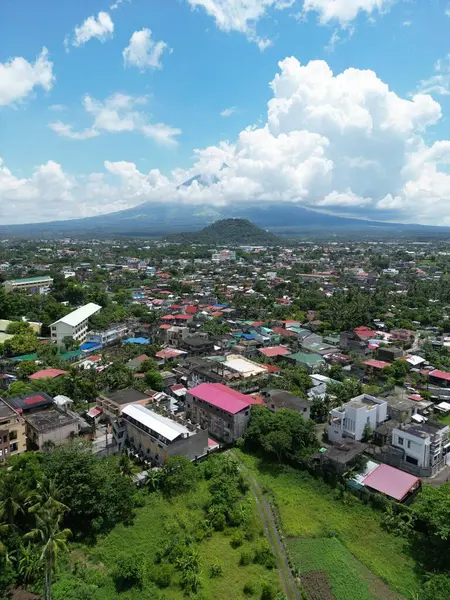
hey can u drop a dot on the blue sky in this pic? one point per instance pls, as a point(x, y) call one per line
point(212, 61)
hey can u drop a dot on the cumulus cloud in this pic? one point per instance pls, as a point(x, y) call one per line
point(241, 15)
point(336, 141)
point(18, 77)
point(143, 52)
point(439, 83)
point(118, 113)
point(345, 11)
point(100, 27)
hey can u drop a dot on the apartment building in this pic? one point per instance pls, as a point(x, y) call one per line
point(12, 432)
point(157, 437)
point(74, 325)
point(107, 336)
point(349, 420)
point(218, 408)
point(32, 285)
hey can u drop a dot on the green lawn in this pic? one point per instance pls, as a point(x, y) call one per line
point(308, 510)
point(94, 564)
point(445, 419)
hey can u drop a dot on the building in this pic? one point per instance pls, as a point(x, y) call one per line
point(276, 399)
point(12, 432)
point(74, 325)
point(423, 445)
point(50, 425)
point(103, 337)
point(223, 255)
point(113, 404)
point(350, 420)
point(392, 482)
point(157, 437)
point(32, 285)
point(311, 362)
point(439, 378)
point(218, 408)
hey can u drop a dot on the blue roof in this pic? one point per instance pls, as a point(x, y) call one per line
point(247, 336)
point(140, 340)
point(90, 346)
point(220, 305)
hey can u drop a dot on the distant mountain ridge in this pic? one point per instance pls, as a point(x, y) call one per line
point(232, 232)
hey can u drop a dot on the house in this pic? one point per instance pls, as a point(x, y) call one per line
point(351, 341)
point(339, 458)
point(276, 399)
point(350, 420)
point(157, 437)
point(74, 325)
point(50, 425)
point(47, 374)
point(275, 351)
point(423, 445)
point(13, 439)
point(32, 285)
point(135, 363)
point(311, 362)
point(391, 482)
point(218, 408)
point(170, 354)
point(389, 354)
point(373, 366)
point(439, 378)
point(197, 344)
point(113, 404)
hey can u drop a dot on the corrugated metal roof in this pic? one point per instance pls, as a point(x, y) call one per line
point(161, 425)
point(79, 315)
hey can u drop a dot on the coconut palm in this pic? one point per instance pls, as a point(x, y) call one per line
point(124, 465)
point(11, 498)
point(53, 541)
point(45, 498)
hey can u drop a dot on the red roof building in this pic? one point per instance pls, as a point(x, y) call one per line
point(220, 396)
point(274, 351)
point(47, 374)
point(271, 368)
point(376, 364)
point(437, 374)
point(392, 482)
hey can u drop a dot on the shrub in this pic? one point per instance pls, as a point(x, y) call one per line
point(216, 569)
point(245, 559)
point(263, 553)
point(268, 592)
point(236, 540)
point(249, 589)
point(163, 576)
point(128, 572)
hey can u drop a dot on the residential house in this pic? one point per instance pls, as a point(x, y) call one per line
point(12, 432)
point(350, 420)
point(113, 404)
point(276, 399)
point(311, 362)
point(424, 445)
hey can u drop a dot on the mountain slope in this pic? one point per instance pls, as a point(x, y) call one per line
point(233, 232)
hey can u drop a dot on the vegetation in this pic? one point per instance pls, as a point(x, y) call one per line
point(228, 231)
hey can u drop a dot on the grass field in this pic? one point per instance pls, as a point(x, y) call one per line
point(308, 510)
point(94, 564)
point(445, 419)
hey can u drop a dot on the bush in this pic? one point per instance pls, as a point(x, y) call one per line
point(216, 569)
point(236, 540)
point(128, 572)
point(246, 558)
point(263, 554)
point(163, 576)
point(249, 589)
point(268, 592)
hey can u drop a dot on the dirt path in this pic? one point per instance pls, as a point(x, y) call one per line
point(268, 520)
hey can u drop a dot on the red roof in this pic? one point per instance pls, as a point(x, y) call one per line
point(282, 331)
point(274, 351)
point(390, 481)
point(221, 396)
point(94, 358)
point(376, 364)
point(168, 317)
point(169, 353)
point(440, 374)
point(415, 397)
point(183, 317)
point(34, 399)
point(364, 332)
point(48, 374)
point(271, 368)
point(217, 314)
point(191, 310)
point(165, 326)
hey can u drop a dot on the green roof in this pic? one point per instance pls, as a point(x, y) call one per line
point(31, 279)
point(25, 357)
point(307, 359)
point(71, 354)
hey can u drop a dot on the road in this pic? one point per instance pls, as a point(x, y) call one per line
point(268, 520)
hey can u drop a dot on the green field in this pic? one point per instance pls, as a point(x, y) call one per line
point(93, 565)
point(308, 509)
point(445, 419)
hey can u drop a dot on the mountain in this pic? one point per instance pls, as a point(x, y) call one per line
point(228, 232)
point(159, 219)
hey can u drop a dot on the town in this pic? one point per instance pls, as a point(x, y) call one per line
point(329, 358)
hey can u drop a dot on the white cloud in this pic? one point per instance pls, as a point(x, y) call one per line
point(439, 83)
point(345, 11)
point(143, 52)
point(18, 77)
point(118, 113)
point(227, 112)
point(117, 3)
point(100, 27)
point(341, 141)
point(241, 15)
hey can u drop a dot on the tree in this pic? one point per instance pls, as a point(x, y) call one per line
point(70, 343)
point(124, 465)
point(19, 327)
point(26, 368)
point(367, 433)
point(22, 343)
point(52, 540)
point(437, 587)
point(178, 475)
point(154, 380)
point(128, 572)
point(12, 497)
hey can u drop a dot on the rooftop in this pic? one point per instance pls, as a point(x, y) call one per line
point(391, 482)
point(161, 425)
point(30, 401)
point(49, 419)
point(6, 412)
point(47, 374)
point(43, 278)
point(272, 351)
point(79, 315)
point(126, 396)
point(221, 396)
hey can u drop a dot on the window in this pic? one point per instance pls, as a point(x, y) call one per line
point(400, 441)
point(13, 435)
point(14, 447)
point(411, 460)
point(409, 444)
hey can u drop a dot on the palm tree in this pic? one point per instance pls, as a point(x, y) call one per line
point(45, 498)
point(3, 529)
point(124, 465)
point(11, 498)
point(53, 541)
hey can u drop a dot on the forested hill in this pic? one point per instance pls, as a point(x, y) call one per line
point(228, 232)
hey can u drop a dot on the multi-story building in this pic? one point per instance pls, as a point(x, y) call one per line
point(12, 432)
point(350, 420)
point(32, 285)
point(157, 437)
point(74, 325)
point(223, 255)
point(218, 408)
point(424, 445)
point(107, 336)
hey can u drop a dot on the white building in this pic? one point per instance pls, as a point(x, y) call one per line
point(423, 444)
point(74, 325)
point(349, 420)
point(32, 285)
point(107, 336)
point(223, 255)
